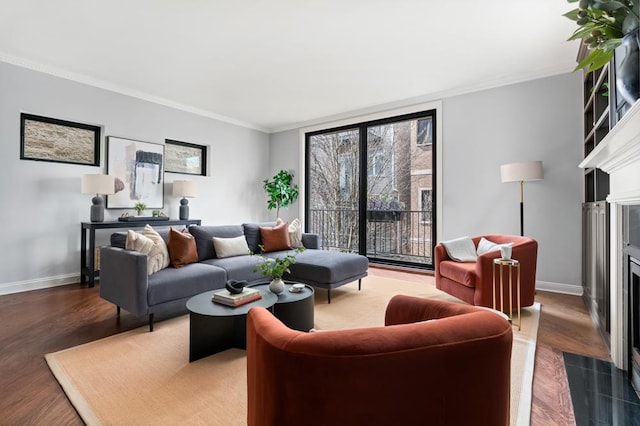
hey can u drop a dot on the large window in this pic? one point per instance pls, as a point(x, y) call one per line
point(425, 131)
point(367, 188)
point(426, 204)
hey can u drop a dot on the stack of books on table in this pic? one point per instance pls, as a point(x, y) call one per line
point(224, 297)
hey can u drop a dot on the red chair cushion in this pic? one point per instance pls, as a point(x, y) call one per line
point(460, 272)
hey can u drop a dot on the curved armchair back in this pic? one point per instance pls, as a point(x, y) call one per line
point(473, 282)
point(454, 370)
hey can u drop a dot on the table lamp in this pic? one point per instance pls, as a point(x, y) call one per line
point(521, 172)
point(185, 189)
point(98, 184)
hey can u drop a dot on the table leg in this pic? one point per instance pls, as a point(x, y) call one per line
point(209, 335)
point(501, 290)
point(92, 261)
point(519, 303)
point(83, 254)
point(511, 293)
point(494, 286)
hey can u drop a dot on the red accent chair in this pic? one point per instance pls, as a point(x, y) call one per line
point(412, 371)
point(472, 282)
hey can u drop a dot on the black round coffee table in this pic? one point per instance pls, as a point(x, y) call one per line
point(295, 310)
point(214, 327)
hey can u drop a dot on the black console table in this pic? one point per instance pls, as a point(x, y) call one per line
point(87, 254)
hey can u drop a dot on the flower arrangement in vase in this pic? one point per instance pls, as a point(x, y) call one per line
point(276, 268)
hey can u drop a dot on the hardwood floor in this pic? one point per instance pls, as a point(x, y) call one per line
point(39, 322)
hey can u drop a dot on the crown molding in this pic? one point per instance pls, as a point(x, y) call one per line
point(127, 91)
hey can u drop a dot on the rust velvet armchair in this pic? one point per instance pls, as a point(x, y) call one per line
point(473, 281)
point(453, 370)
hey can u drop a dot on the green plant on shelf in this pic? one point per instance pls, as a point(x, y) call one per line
point(140, 207)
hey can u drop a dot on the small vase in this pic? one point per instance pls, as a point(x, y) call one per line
point(628, 70)
point(276, 286)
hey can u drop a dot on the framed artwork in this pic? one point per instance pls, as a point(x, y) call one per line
point(186, 158)
point(58, 141)
point(138, 170)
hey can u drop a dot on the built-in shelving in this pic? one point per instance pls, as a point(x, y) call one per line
point(598, 121)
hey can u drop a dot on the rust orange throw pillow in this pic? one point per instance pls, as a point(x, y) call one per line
point(276, 238)
point(182, 248)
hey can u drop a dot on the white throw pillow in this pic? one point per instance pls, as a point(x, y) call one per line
point(461, 249)
point(161, 252)
point(138, 242)
point(485, 246)
point(295, 233)
point(229, 247)
point(146, 246)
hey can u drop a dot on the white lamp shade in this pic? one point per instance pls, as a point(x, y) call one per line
point(184, 188)
point(98, 184)
point(516, 172)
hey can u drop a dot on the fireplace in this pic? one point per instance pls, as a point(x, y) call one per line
point(634, 322)
point(618, 154)
point(631, 256)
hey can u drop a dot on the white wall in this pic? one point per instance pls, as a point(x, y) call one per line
point(43, 208)
point(535, 120)
point(285, 154)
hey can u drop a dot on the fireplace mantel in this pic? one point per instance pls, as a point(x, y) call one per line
point(619, 155)
point(620, 147)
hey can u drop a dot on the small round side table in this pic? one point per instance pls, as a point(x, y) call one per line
point(510, 265)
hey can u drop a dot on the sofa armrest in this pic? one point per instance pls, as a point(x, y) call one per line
point(311, 241)
point(124, 279)
point(408, 309)
point(439, 255)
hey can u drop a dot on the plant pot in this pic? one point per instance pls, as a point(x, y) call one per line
point(276, 286)
point(628, 70)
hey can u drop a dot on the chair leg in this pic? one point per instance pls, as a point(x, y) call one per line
point(328, 295)
point(117, 310)
point(360, 284)
point(150, 322)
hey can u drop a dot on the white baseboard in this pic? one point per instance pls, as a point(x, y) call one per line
point(38, 283)
point(559, 288)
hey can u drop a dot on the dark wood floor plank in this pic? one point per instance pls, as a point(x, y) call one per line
point(39, 322)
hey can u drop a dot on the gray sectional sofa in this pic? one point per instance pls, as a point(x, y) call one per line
point(125, 282)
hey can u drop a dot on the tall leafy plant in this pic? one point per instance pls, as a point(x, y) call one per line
point(280, 190)
point(601, 25)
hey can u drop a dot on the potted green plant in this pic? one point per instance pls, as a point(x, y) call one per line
point(602, 25)
point(280, 190)
point(275, 268)
point(140, 207)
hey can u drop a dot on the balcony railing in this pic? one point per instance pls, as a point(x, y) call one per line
point(401, 236)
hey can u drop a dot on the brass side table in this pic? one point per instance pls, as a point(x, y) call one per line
point(510, 265)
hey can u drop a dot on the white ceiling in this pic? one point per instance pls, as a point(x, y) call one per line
point(275, 65)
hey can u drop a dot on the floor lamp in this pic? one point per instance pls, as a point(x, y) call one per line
point(521, 172)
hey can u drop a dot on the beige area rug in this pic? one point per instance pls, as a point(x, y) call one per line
point(142, 378)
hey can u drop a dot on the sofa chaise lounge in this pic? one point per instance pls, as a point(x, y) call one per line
point(124, 278)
